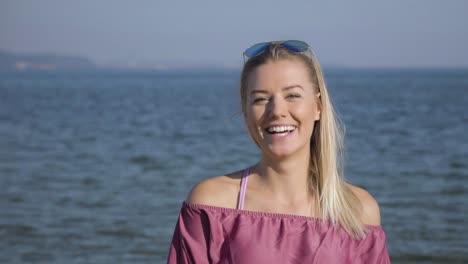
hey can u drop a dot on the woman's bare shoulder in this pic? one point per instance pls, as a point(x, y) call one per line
point(371, 209)
point(219, 191)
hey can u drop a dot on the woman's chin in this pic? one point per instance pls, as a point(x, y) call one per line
point(280, 152)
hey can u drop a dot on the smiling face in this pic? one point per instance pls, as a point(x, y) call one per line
point(281, 107)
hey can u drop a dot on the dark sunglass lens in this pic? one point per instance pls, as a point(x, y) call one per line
point(256, 49)
point(295, 45)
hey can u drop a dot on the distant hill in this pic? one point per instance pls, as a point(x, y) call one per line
point(42, 62)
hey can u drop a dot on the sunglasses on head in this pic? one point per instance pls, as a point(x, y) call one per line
point(296, 46)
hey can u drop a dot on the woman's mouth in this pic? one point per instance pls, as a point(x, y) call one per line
point(280, 131)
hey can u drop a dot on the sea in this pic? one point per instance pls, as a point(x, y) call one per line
point(94, 165)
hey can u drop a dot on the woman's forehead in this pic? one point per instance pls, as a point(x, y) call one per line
point(279, 74)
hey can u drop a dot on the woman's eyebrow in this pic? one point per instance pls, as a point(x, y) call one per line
point(258, 91)
point(289, 87)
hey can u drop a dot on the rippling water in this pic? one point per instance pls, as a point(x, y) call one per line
point(94, 166)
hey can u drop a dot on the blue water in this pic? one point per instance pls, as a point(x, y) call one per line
point(94, 165)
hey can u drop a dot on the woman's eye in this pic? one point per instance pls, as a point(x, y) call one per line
point(259, 99)
point(293, 96)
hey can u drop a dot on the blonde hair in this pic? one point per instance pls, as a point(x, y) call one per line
point(336, 201)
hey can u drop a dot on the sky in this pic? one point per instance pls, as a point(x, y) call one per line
point(358, 33)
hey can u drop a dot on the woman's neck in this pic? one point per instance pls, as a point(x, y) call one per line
point(287, 179)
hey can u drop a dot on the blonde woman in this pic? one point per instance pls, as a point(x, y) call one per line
point(293, 205)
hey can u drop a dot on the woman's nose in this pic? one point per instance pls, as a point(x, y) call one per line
point(277, 107)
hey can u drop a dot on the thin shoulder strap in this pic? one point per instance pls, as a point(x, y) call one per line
point(243, 188)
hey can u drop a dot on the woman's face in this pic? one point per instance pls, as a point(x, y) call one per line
point(281, 107)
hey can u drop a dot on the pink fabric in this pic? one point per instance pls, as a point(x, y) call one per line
point(210, 234)
point(243, 188)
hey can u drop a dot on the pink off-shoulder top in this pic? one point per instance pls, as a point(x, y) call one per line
point(211, 234)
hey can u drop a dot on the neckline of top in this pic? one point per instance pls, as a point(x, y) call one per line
point(265, 214)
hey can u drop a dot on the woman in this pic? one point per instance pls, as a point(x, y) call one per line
point(296, 207)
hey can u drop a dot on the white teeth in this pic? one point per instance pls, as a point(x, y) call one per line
point(280, 129)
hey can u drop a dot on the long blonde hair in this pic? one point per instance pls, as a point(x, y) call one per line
point(336, 201)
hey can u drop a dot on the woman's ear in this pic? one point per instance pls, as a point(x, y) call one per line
point(319, 107)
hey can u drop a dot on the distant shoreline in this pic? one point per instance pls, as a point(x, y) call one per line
point(54, 63)
point(12, 62)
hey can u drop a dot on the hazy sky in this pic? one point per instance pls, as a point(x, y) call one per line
point(397, 33)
